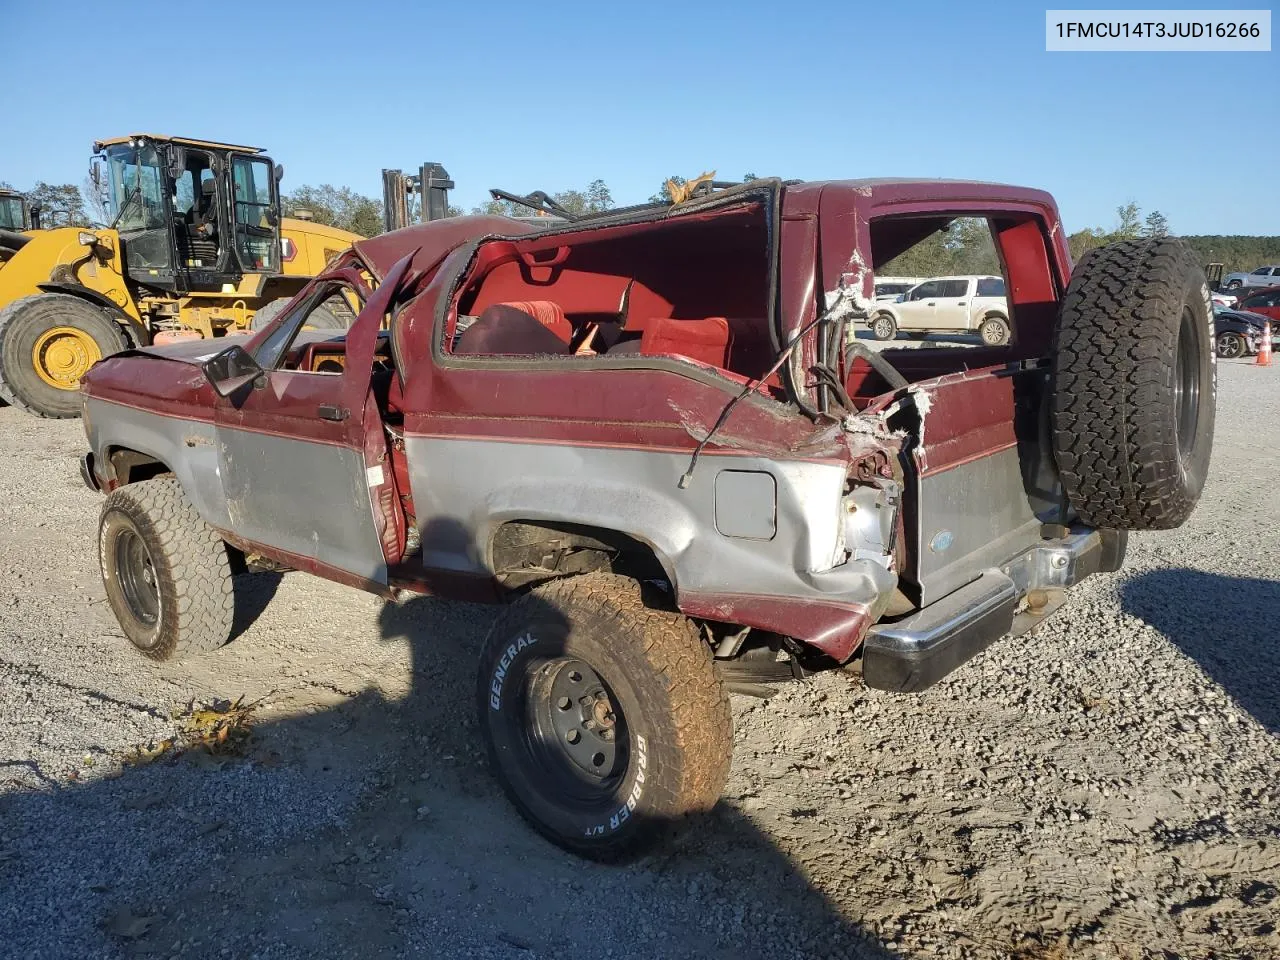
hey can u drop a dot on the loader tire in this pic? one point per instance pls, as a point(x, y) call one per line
point(320, 318)
point(1134, 385)
point(166, 572)
point(47, 343)
point(603, 716)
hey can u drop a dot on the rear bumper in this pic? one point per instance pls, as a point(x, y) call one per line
point(919, 650)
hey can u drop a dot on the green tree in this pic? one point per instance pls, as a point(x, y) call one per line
point(599, 197)
point(1156, 225)
point(338, 207)
point(1129, 224)
point(964, 247)
point(61, 204)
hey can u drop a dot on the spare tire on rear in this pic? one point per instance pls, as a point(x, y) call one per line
point(1134, 385)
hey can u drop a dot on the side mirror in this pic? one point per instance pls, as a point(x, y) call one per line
point(279, 171)
point(177, 161)
point(231, 370)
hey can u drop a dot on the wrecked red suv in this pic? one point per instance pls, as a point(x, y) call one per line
point(655, 437)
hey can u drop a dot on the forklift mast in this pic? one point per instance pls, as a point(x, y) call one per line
point(415, 199)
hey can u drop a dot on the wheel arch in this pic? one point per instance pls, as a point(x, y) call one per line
point(128, 465)
point(517, 547)
point(144, 444)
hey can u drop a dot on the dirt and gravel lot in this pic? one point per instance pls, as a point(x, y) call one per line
point(1107, 787)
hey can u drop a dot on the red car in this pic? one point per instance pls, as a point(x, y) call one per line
point(1265, 302)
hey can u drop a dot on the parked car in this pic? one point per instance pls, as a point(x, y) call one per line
point(892, 288)
point(948, 304)
point(1262, 277)
point(1239, 334)
point(654, 446)
point(1227, 300)
point(1265, 302)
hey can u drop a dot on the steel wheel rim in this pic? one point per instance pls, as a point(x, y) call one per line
point(577, 734)
point(62, 355)
point(1186, 386)
point(136, 575)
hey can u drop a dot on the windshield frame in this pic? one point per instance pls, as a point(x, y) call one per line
point(14, 202)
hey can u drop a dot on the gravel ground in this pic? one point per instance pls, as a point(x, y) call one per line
point(1106, 787)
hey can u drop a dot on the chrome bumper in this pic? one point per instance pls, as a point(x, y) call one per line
point(919, 650)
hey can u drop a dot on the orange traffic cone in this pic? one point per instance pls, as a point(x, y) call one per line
point(1263, 359)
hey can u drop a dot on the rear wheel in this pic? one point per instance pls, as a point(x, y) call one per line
point(994, 331)
point(884, 327)
point(1231, 345)
point(167, 573)
point(47, 343)
point(1134, 385)
point(604, 718)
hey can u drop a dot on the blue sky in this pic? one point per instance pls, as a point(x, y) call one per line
point(552, 95)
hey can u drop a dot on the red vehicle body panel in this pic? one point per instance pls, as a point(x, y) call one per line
point(830, 237)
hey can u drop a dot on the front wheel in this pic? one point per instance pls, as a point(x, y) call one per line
point(884, 327)
point(1234, 284)
point(167, 573)
point(1231, 345)
point(605, 721)
point(47, 343)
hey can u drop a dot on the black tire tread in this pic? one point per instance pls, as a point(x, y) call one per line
point(12, 310)
point(1113, 345)
point(191, 555)
point(700, 716)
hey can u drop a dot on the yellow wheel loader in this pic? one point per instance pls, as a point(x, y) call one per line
point(197, 248)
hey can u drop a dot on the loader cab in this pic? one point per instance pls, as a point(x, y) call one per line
point(13, 212)
point(192, 215)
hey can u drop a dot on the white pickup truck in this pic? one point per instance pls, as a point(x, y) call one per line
point(948, 304)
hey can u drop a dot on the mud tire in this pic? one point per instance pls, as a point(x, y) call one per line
point(191, 570)
point(674, 733)
point(320, 318)
point(1134, 385)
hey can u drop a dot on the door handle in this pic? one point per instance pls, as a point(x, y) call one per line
point(329, 412)
point(960, 304)
point(931, 303)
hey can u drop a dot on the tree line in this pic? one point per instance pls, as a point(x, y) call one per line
point(965, 247)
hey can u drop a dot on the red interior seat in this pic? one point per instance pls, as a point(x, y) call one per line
point(546, 312)
point(708, 340)
point(524, 328)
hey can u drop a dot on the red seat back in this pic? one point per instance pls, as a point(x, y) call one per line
point(707, 341)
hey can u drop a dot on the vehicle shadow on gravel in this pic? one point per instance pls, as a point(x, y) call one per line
point(1226, 624)
point(373, 828)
